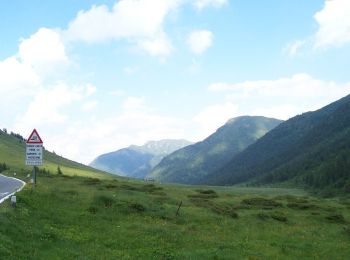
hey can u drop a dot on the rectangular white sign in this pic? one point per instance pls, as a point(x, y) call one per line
point(34, 154)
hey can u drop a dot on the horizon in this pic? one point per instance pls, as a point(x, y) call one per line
point(96, 76)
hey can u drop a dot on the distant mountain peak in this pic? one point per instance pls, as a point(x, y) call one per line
point(137, 160)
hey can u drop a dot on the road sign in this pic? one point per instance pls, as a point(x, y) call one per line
point(34, 138)
point(34, 149)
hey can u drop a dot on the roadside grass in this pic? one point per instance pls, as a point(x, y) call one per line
point(85, 215)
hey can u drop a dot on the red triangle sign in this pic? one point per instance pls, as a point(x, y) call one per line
point(34, 138)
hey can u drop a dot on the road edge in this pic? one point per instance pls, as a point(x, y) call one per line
point(8, 196)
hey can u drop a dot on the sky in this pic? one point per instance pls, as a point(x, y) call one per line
point(94, 76)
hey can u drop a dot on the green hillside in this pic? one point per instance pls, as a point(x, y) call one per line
point(190, 164)
point(73, 216)
point(12, 152)
point(137, 161)
point(309, 150)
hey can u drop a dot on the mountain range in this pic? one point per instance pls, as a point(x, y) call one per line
point(310, 150)
point(137, 161)
point(191, 163)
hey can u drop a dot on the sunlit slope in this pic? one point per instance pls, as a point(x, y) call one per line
point(12, 152)
point(190, 164)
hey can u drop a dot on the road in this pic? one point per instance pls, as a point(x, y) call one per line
point(8, 186)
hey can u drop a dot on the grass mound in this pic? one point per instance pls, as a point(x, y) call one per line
point(259, 202)
point(104, 200)
point(301, 206)
point(92, 181)
point(204, 194)
point(336, 218)
point(218, 208)
point(137, 207)
point(279, 216)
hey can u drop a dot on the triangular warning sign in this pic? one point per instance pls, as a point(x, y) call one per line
point(34, 138)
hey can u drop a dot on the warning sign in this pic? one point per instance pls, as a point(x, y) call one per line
point(34, 149)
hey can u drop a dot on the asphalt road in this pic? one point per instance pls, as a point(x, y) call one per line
point(9, 185)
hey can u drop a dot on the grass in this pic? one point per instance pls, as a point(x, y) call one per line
point(102, 218)
point(85, 214)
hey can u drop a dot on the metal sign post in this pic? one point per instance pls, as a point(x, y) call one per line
point(34, 152)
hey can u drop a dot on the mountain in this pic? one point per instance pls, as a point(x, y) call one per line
point(137, 161)
point(12, 153)
point(190, 164)
point(312, 150)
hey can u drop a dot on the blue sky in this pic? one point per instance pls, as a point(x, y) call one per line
point(97, 76)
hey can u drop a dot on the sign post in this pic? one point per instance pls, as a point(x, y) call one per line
point(34, 152)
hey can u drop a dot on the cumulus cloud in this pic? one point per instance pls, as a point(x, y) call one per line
point(199, 41)
point(39, 57)
point(333, 28)
point(160, 45)
point(43, 48)
point(200, 4)
point(334, 24)
point(284, 97)
point(48, 102)
point(140, 21)
point(17, 78)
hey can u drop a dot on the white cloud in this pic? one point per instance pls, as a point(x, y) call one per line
point(43, 48)
point(200, 4)
point(293, 48)
point(334, 24)
point(159, 45)
point(17, 78)
point(117, 92)
point(284, 97)
point(36, 57)
point(89, 105)
point(139, 21)
point(213, 117)
point(333, 28)
point(199, 41)
point(39, 58)
point(47, 105)
point(134, 103)
point(136, 123)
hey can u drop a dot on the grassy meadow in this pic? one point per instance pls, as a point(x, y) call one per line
point(76, 217)
point(88, 214)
